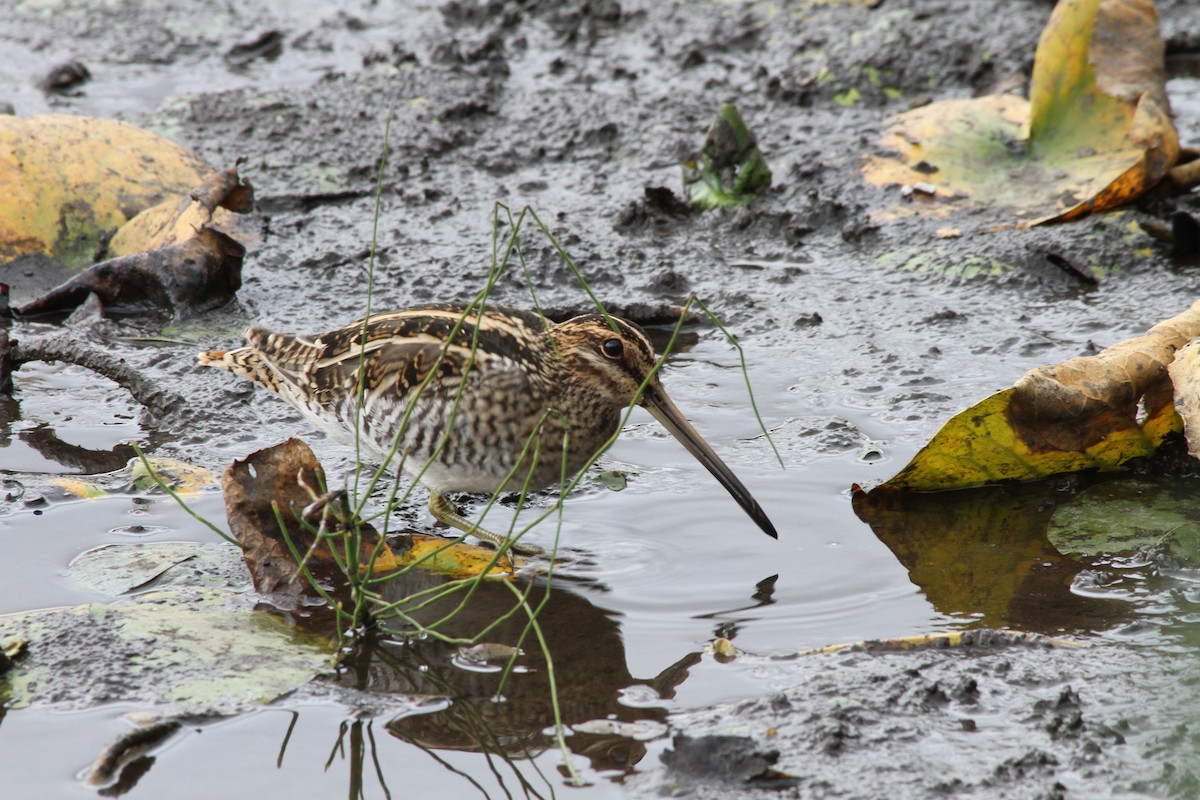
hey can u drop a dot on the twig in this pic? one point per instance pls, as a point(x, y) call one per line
point(158, 401)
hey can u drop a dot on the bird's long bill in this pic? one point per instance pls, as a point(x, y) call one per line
point(660, 406)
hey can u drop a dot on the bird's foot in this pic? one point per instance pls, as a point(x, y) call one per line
point(444, 511)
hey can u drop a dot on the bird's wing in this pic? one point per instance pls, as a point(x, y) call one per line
point(395, 359)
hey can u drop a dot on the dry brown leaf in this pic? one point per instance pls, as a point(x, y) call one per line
point(202, 273)
point(1185, 375)
point(287, 477)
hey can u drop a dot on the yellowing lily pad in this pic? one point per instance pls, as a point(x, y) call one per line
point(1095, 133)
point(69, 180)
point(223, 201)
point(182, 477)
point(115, 569)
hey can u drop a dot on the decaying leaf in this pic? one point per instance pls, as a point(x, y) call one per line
point(990, 639)
point(1098, 102)
point(1185, 376)
point(85, 490)
point(1089, 412)
point(198, 275)
point(70, 180)
point(115, 569)
point(287, 478)
point(193, 651)
point(730, 170)
point(222, 201)
point(456, 559)
point(1096, 132)
point(180, 476)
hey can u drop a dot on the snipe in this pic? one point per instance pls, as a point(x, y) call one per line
point(505, 398)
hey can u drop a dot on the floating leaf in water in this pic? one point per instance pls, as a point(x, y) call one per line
point(195, 652)
point(614, 479)
point(86, 490)
point(731, 169)
point(284, 483)
point(456, 559)
point(182, 477)
point(1126, 516)
point(115, 569)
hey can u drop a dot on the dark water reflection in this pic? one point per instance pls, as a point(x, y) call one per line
point(984, 553)
point(513, 717)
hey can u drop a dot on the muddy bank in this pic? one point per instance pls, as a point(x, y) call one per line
point(990, 720)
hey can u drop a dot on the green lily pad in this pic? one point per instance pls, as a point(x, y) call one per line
point(614, 479)
point(1127, 516)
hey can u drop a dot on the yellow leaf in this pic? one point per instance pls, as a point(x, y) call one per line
point(84, 489)
point(68, 180)
point(962, 147)
point(456, 559)
point(182, 477)
point(221, 201)
point(1096, 132)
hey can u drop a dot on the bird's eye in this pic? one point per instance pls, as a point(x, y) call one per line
point(613, 348)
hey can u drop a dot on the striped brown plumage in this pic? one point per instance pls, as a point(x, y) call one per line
point(493, 384)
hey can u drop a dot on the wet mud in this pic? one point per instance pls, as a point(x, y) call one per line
point(860, 338)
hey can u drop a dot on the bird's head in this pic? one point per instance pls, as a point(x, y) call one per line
point(614, 357)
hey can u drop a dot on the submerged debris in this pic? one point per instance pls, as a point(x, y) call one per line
point(126, 749)
point(190, 278)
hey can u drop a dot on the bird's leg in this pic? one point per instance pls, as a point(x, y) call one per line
point(444, 511)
